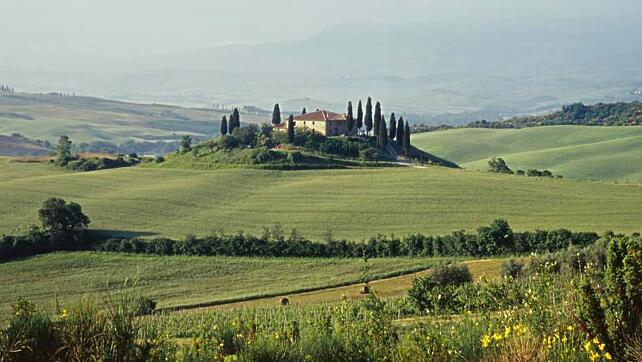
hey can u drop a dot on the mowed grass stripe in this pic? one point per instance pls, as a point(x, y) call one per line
point(578, 152)
point(181, 280)
point(353, 204)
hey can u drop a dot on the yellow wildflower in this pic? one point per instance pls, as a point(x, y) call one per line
point(569, 328)
point(485, 341)
point(601, 347)
point(607, 356)
point(63, 315)
point(507, 331)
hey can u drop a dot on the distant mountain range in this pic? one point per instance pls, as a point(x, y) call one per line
point(430, 72)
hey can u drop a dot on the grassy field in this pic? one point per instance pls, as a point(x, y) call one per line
point(355, 203)
point(577, 152)
point(181, 280)
point(87, 119)
point(392, 287)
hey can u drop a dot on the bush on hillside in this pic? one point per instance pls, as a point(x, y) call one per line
point(433, 292)
point(512, 269)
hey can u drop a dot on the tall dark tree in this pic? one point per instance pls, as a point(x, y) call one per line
point(359, 116)
point(304, 111)
point(368, 118)
point(291, 129)
point(393, 126)
point(400, 129)
point(350, 119)
point(377, 119)
point(276, 115)
point(224, 126)
point(235, 120)
point(382, 138)
point(406, 140)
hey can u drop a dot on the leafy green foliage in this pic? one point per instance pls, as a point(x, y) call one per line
point(614, 314)
point(186, 143)
point(498, 165)
point(59, 217)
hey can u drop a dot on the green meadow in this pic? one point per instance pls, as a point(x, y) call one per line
point(351, 203)
point(181, 280)
point(576, 152)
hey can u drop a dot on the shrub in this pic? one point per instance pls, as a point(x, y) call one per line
point(451, 275)
point(613, 314)
point(437, 291)
point(144, 306)
point(159, 159)
point(368, 154)
point(512, 269)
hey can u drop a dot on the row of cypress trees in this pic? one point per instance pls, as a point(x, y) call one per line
point(398, 130)
point(234, 122)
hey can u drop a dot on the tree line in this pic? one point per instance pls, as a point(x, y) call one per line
point(6, 88)
point(63, 227)
point(498, 165)
point(495, 239)
point(600, 114)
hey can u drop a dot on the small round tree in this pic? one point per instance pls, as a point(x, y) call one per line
point(59, 217)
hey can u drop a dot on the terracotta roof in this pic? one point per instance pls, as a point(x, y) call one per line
point(321, 116)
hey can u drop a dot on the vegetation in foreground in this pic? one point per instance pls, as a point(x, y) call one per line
point(577, 152)
point(552, 311)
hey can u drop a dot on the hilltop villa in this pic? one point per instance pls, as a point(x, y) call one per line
point(324, 122)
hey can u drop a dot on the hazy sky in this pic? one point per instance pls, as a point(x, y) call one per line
point(121, 29)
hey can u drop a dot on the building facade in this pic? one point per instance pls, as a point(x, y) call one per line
point(323, 122)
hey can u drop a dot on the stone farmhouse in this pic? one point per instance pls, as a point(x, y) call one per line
point(324, 122)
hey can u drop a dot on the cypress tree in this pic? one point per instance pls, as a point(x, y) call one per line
point(406, 140)
point(276, 115)
point(304, 111)
point(235, 120)
point(368, 118)
point(400, 129)
point(350, 119)
point(383, 133)
point(359, 116)
point(291, 129)
point(377, 119)
point(224, 126)
point(393, 126)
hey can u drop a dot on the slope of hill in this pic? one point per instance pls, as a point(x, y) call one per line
point(16, 145)
point(354, 203)
point(87, 119)
point(182, 280)
point(577, 152)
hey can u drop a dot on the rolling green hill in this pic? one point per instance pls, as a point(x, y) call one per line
point(181, 280)
point(87, 119)
point(352, 203)
point(577, 152)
